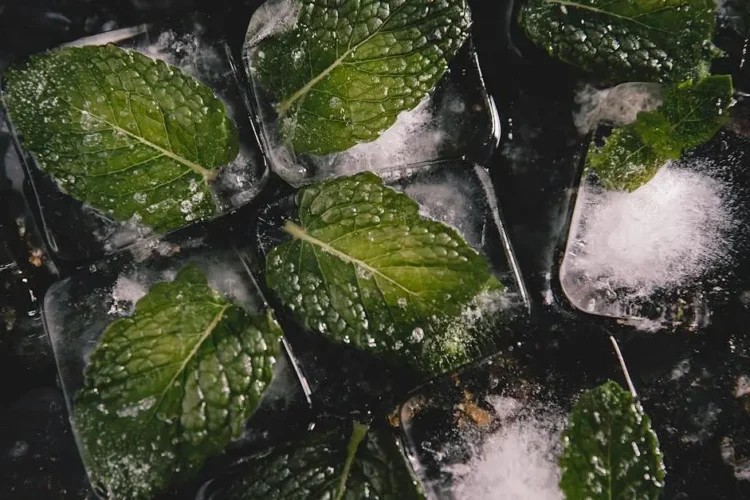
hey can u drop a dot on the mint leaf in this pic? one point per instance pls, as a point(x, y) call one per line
point(365, 269)
point(132, 136)
point(625, 40)
point(691, 114)
point(171, 386)
point(609, 448)
point(366, 464)
point(624, 162)
point(347, 69)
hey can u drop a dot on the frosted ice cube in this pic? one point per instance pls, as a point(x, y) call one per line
point(644, 255)
point(516, 462)
point(490, 431)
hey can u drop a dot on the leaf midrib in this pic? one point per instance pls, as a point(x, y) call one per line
point(576, 5)
point(284, 105)
point(298, 232)
point(207, 174)
point(204, 335)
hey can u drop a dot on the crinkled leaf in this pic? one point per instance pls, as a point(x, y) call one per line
point(130, 135)
point(692, 113)
point(171, 386)
point(609, 448)
point(625, 40)
point(347, 69)
point(312, 469)
point(365, 269)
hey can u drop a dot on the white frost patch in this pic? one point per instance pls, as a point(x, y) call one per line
point(742, 387)
point(187, 52)
point(230, 281)
point(618, 105)
point(271, 18)
point(519, 462)
point(126, 292)
point(414, 137)
point(452, 202)
point(664, 234)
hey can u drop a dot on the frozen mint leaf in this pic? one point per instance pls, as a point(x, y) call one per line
point(624, 162)
point(347, 68)
point(132, 136)
point(691, 114)
point(609, 448)
point(171, 386)
point(365, 269)
point(625, 40)
point(330, 466)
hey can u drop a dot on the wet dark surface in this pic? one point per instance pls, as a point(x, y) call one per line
point(687, 380)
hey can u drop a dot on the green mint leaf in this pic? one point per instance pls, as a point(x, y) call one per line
point(609, 448)
point(366, 464)
point(691, 114)
point(347, 69)
point(365, 269)
point(694, 113)
point(624, 162)
point(132, 136)
point(625, 40)
point(171, 386)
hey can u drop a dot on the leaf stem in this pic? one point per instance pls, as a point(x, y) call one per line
point(358, 434)
point(623, 366)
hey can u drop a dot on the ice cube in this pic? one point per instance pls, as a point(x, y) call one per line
point(625, 248)
point(518, 461)
point(457, 119)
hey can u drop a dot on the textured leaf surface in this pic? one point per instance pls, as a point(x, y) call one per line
point(690, 115)
point(171, 386)
point(365, 269)
point(132, 136)
point(349, 67)
point(312, 470)
point(625, 40)
point(609, 448)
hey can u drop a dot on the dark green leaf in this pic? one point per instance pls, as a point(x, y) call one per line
point(690, 115)
point(365, 269)
point(609, 448)
point(314, 469)
point(130, 135)
point(626, 40)
point(171, 386)
point(347, 69)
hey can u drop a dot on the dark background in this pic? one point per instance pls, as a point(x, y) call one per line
point(703, 428)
